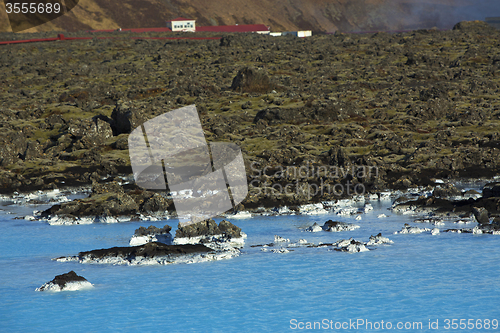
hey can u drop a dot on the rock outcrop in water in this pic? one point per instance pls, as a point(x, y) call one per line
point(481, 215)
point(378, 240)
point(198, 242)
point(146, 254)
point(144, 235)
point(208, 232)
point(208, 228)
point(66, 282)
point(336, 226)
point(351, 246)
point(446, 191)
point(332, 226)
point(314, 228)
point(407, 229)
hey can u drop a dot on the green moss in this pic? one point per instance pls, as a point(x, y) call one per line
point(116, 154)
point(445, 152)
point(44, 135)
point(393, 158)
point(35, 167)
point(422, 136)
point(256, 145)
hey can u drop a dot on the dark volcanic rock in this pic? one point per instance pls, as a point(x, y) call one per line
point(110, 199)
point(106, 204)
point(112, 187)
point(208, 228)
point(62, 280)
point(203, 228)
point(148, 250)
point(490, 228)
point(90, 132)
point(338, 157)
point(328, 224)
point(126, 118)
point(250, 79)
point(229, 229)
point(121, 143)
point(351, 246)
point(151, 202)
point(225, 41)
point(152, 230)
point(156, 204)
point(337, 226)
point(327, 112)
point(12, 146)
point(460, 231)
point(481, 215)
point(491, 190)
point(447, 190)
point(33, 150)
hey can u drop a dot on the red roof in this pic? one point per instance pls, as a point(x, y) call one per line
point(234, 28)
point(149, 30)
point(182, 19)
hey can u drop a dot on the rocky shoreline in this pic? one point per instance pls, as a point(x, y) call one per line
point(110, 203)
point(448, 203)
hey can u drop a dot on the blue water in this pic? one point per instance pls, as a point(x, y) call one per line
point(417, 279)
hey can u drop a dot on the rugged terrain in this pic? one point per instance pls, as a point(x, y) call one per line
point(417, 106)
point(317, 15)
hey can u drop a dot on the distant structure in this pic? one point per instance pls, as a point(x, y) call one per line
point(302, 34)
point(493, 21)
point(182, 24)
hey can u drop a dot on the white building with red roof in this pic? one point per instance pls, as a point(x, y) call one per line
point(182, 24)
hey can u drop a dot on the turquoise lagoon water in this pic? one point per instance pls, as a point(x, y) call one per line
point(420, 278)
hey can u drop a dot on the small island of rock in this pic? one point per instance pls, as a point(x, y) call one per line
point(198, 242)
point(66, 282)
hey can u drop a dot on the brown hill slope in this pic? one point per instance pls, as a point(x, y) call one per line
point(318, 15)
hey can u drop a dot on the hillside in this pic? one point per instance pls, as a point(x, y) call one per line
point(317, 15)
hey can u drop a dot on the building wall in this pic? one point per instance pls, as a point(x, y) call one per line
point(188, 25)
point(303, 33)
